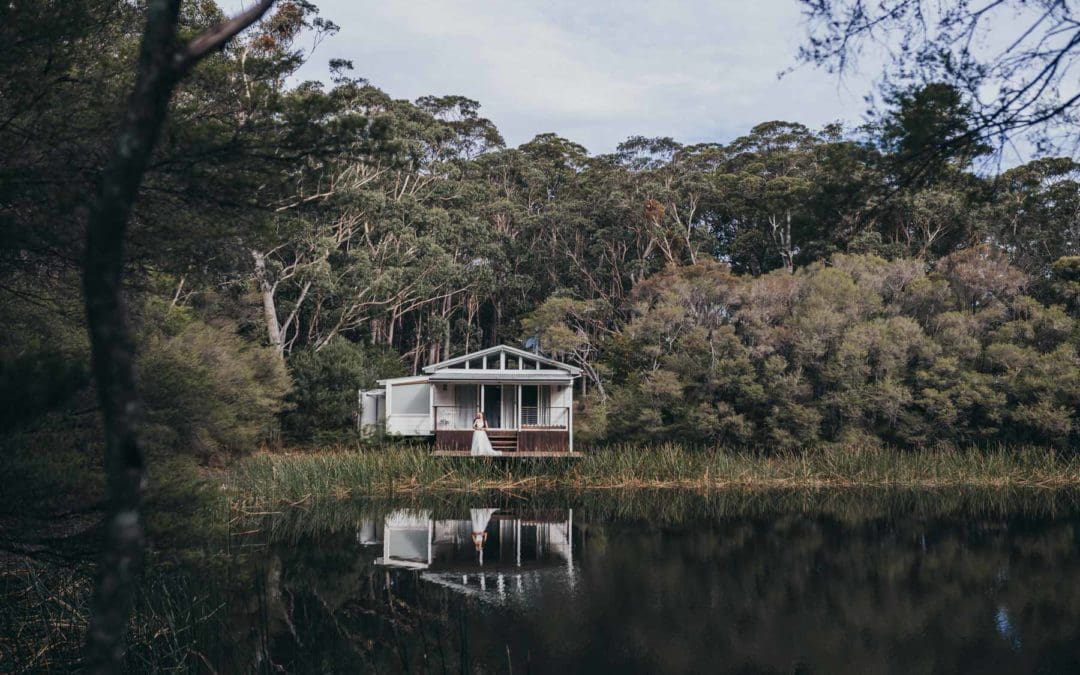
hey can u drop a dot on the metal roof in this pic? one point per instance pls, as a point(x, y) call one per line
point(409, 379)
point(521, 353)
point(502, 376)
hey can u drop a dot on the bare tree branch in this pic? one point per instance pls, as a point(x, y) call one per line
point(217, 37)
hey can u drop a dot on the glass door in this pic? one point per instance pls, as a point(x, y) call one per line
point(509, 406)
point(493, 406)
point(534, 405)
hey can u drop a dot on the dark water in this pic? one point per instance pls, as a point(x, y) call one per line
point(773, 583)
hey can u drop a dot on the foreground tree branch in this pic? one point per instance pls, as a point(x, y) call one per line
point(1024, 88)
point(163, 62)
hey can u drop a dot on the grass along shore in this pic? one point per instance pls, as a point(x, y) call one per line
point(290, 477)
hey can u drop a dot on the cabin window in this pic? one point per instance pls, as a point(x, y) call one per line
point(535, 405)
point(410, 545)
point(512, 362)
point(410, 399)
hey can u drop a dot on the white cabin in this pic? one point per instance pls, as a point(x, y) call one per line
point(527, 400)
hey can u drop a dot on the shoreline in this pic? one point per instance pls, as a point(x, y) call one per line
point(293, 477)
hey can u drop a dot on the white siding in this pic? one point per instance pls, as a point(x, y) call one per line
point(444, 394)
point(562, 397)
point(372, 412)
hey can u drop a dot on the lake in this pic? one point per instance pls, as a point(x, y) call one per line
point(793, 582)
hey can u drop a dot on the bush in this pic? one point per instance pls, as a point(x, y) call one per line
point(859, 347)
point(326, 383)
point(44, 362)
point(206, 389)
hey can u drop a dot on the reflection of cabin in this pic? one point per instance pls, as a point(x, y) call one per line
point(527, 400)
point(516, 553)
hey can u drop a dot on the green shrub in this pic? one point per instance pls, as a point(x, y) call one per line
point(207, 390)
point(859, 347)
point(44, 361)
point(326, 383)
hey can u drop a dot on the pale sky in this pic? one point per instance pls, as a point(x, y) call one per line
point(594, 72)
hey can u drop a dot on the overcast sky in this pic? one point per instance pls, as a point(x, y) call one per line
point(595, 72)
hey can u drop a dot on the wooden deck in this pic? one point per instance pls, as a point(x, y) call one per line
point(537, 442)
point(523, 454)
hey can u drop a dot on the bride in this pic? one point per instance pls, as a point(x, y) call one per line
point(481, 444)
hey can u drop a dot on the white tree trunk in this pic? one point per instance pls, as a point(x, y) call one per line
point(266, 289)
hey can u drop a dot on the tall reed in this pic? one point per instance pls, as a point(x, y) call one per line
point(269, 478)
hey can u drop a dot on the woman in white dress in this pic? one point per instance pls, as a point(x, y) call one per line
point(481, 444)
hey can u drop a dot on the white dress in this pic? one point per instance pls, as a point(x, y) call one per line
point(481, 444)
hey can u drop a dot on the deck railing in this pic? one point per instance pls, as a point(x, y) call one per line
point(460, 418)
point(548, 417)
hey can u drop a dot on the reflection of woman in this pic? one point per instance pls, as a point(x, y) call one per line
point(481, 444)
point(480, 520)
point(478, 541)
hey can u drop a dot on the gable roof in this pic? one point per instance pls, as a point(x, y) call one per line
point(514, 351)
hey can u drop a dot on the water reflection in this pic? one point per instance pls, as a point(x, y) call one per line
point(933, 583)
point(497, 555)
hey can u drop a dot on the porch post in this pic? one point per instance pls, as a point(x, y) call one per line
point(389, 394)
point(518, 411)
point(570, 540)
point(570, 415)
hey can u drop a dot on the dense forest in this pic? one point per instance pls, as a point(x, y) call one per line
point(291, 242)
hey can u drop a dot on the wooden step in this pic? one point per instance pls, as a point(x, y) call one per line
point(503, 440)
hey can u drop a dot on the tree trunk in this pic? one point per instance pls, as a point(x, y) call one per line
point(446, 332)
point(417, 344)
point(162, 64)
point(781, 233)
point(266, 290)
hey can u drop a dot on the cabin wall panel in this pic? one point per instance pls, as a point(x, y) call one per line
point(409, 425)
point(562, 396)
